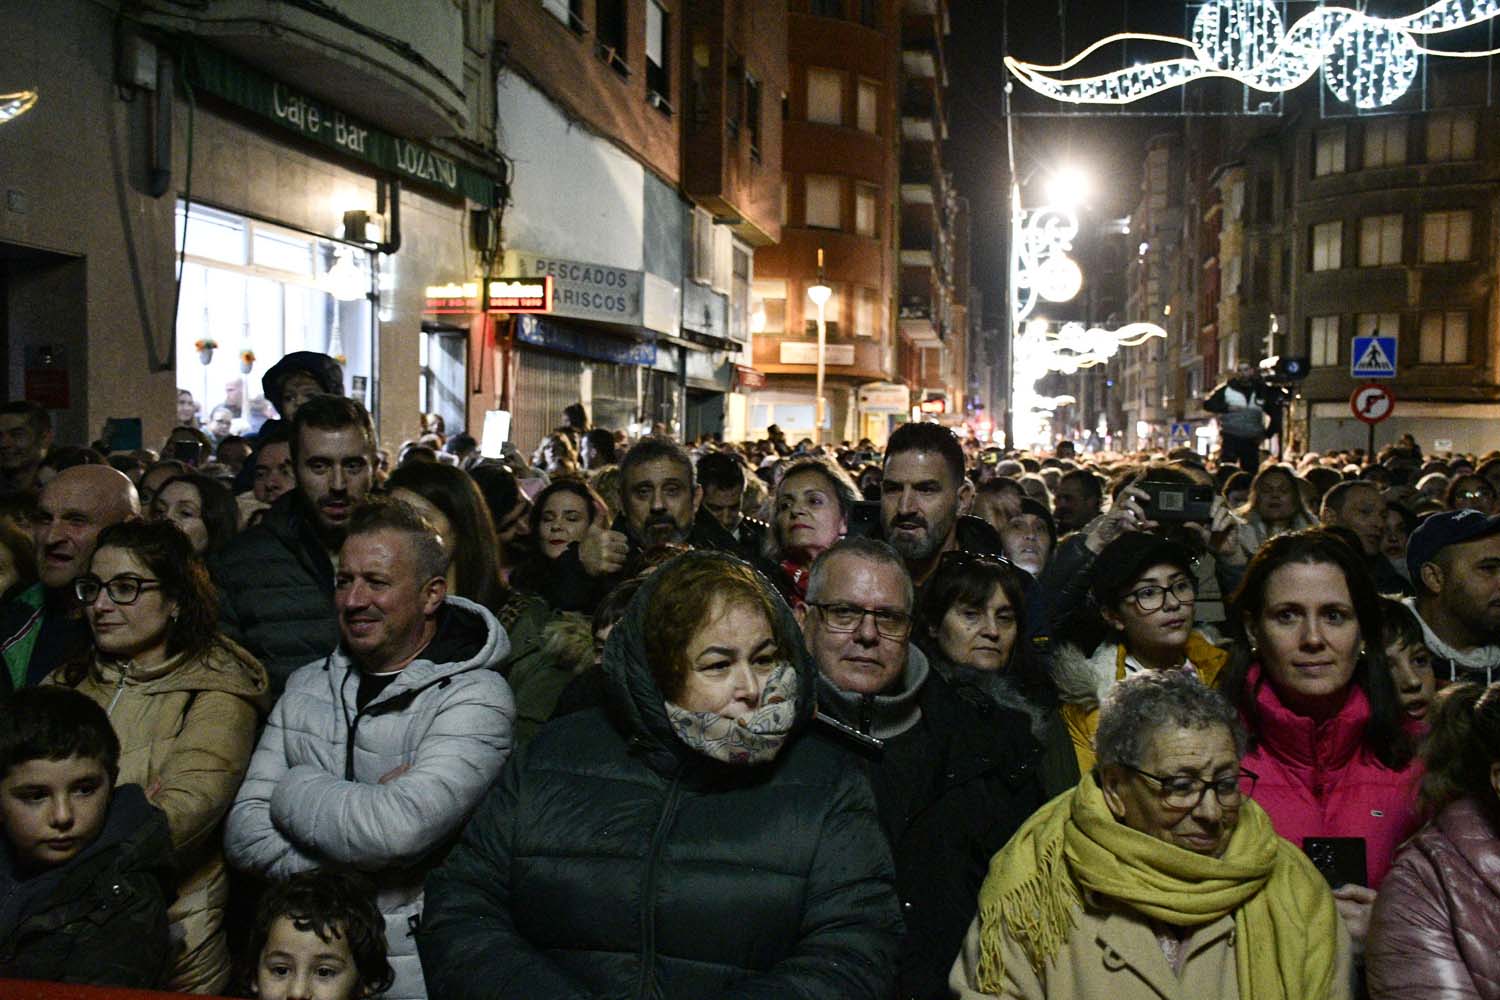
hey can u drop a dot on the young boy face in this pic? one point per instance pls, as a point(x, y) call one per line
point(50, 810)
point(299, 965)
point(1411, 670)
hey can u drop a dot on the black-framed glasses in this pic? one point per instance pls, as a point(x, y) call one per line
point(1154, 598)
point(125, 589)
point(1183, 792)
point(847, 618)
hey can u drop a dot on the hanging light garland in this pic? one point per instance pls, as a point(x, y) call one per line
point(1040, 264)
point(1366, 61)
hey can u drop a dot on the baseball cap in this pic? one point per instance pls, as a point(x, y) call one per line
point(1445, 528)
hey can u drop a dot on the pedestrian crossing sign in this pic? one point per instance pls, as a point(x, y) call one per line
point(1373, 357)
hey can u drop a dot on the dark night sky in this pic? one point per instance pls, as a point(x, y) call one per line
point(1107, 147)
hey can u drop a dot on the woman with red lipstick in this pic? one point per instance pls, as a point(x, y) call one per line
point(563, 514)
point(1139, 618)
point(809, 513)
point(1312, 685)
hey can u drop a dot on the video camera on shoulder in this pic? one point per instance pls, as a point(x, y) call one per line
point(1178, 502)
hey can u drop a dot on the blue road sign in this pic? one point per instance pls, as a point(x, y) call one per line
point(1373, 357)
point(1181, 431)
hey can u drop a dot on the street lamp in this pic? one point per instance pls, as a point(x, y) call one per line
point(820, 294)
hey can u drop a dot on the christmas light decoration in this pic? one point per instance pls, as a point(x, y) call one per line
point(1038, 348)
point(1040, 265)
point(15, 105)
point(1366, 61)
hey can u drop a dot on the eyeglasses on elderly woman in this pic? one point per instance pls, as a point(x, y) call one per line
point(1183, 792)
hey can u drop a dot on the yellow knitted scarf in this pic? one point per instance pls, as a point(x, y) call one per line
point(1285, 923)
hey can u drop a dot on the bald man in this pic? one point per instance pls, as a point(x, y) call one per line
point(43, 626)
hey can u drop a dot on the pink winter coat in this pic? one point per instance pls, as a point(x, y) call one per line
point(1437, 919)
point(1320, 779)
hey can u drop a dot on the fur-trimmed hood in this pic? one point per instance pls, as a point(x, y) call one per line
point(568, 642)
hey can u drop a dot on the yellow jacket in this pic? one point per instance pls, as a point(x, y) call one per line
point(1083, 681)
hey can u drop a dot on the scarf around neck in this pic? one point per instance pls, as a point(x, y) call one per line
point(1285, 922)
point(751, 739)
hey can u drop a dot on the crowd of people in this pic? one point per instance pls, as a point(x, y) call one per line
point(293, 715)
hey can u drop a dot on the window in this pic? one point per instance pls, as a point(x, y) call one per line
point(569, 12)
point(1330, 153)
point(1377, 325)
point(864, 312)
point(864, 209)
point(739, 294)
point(1445, 338)
point(1380, 241)
point(703, 245)
point(869, 106)
point(1385, 143)
point(611, 34)
point(732, 96)
point(831, 310)
point(824, 195)
point(1450, 136)
point(1323, 341)
point(1446, 236)
point(658, 50)
point(768, 305)
point(752, 115)
point(1328, 246)
point(825, 96)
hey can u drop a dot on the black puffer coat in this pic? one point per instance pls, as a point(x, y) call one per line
point(613, 861)
point(275, 587)
point(101, 918)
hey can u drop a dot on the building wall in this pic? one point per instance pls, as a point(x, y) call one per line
point(564, 63)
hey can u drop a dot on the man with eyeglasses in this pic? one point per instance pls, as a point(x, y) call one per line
point(953, 778)
point(43, 627)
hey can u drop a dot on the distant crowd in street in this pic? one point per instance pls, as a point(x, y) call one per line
point(300, 713)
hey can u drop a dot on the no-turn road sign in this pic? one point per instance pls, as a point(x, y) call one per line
point(1372, 403)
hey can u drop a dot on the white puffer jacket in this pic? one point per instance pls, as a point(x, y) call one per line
point(313, 795)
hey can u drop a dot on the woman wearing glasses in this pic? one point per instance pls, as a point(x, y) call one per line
point(969, 622)
point(1324, 717)
point(185, 703)
point(1158, 876)
point(1139, 618)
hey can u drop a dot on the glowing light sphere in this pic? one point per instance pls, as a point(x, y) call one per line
point(1237, 36)
point(1059, 279)
point(1369, 64)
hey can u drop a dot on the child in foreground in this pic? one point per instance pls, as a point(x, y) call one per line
point(86, 870)
point(318, 936)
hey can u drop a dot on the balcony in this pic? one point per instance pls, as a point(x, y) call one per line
point(398, 63)
point(915, 321)
point(919, 63)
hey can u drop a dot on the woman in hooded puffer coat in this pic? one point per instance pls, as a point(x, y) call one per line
point(697, 837)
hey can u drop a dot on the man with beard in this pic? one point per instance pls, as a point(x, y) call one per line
point(925, 498)
point(1078, 499)
point(1454, 560)
point(42, 627)
point(25, 436)
point(662, 512)
point(276, 579)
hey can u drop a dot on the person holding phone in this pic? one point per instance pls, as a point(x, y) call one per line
point(1326, 725)
point(1433, 929)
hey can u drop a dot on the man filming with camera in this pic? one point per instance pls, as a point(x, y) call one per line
point(1249, 411)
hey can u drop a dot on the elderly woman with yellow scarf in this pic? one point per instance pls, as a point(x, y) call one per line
point(1157, 876)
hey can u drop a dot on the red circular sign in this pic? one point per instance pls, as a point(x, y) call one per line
point(1372, 403)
